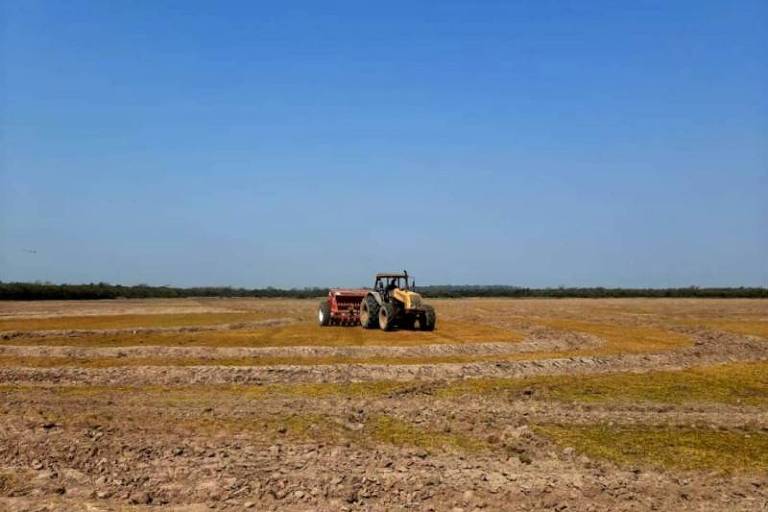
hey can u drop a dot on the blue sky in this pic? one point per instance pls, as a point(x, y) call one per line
point(314, 143)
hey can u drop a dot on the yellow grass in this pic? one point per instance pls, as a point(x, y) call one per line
point(298, 334)
point(617, 339)
point(749, 327)
point(173, 407)
point(128, 321)
point(114, 361)
point(667, 447)
point(14, 482)
point(387, 429)
point(734, 383)
point(379, 429)
point(213, 392)
point(622, 338)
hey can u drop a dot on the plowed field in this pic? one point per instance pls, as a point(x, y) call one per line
point(247, 404)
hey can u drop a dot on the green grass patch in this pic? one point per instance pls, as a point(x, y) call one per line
point(666, 447)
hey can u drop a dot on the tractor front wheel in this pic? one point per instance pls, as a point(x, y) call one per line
point(324, 314)
point(387, 317)
point(428, 319)
point(369, 313)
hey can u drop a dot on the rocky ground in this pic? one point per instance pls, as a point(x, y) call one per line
point(363, 436)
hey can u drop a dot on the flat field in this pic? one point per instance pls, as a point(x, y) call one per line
point(247, 404)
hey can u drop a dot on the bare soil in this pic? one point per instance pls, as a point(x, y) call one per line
point(364, 435)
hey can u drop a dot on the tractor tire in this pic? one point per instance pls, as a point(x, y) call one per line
point(369, 313)
point(324, 314)
point(408, 322)
point(428, 319)
point(387, 317)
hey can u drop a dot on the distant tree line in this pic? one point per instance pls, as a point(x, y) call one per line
point(48, 291)
point(595, 292)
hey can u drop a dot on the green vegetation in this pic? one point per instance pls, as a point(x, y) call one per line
point(451, 291)
point(49, 291)
point(735, 383)
point(667, 447)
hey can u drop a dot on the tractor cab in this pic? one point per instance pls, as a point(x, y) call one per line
point(387, 283)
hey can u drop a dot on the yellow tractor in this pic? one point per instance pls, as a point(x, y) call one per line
point(394, 303)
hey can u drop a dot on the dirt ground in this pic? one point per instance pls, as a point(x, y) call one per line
point(246, 404)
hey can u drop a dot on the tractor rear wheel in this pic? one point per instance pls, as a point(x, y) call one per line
point(324, 314)
point(369, 313)
point(428, 319)
point(387, 317)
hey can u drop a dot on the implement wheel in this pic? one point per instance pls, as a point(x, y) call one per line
point(324, 314)
point(428, 319)
point(369, 313)
point(387, 317)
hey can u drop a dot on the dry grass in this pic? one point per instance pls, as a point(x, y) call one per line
point(617, 339)
point(128, 321)
point(14, 483)
point(735, 383)
point(390, 430)
point(749, 327)
point(298, 334)
point(379, 429)
point(208, 411)
point(624, 339)
point(448, 331)
point(166, 361)
point(264, 430)
point(624, 326)
point(666, 447)
point(210, 394)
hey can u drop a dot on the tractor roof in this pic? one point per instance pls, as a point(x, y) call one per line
point(390, 274)
point(349, 291)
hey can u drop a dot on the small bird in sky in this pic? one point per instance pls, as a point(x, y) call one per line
point(30, 251)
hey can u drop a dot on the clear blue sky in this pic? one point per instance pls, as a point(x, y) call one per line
point(314, 143)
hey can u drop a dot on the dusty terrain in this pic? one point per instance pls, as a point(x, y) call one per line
point(240, 404)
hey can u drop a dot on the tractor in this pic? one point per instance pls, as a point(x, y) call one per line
point(391, 303)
